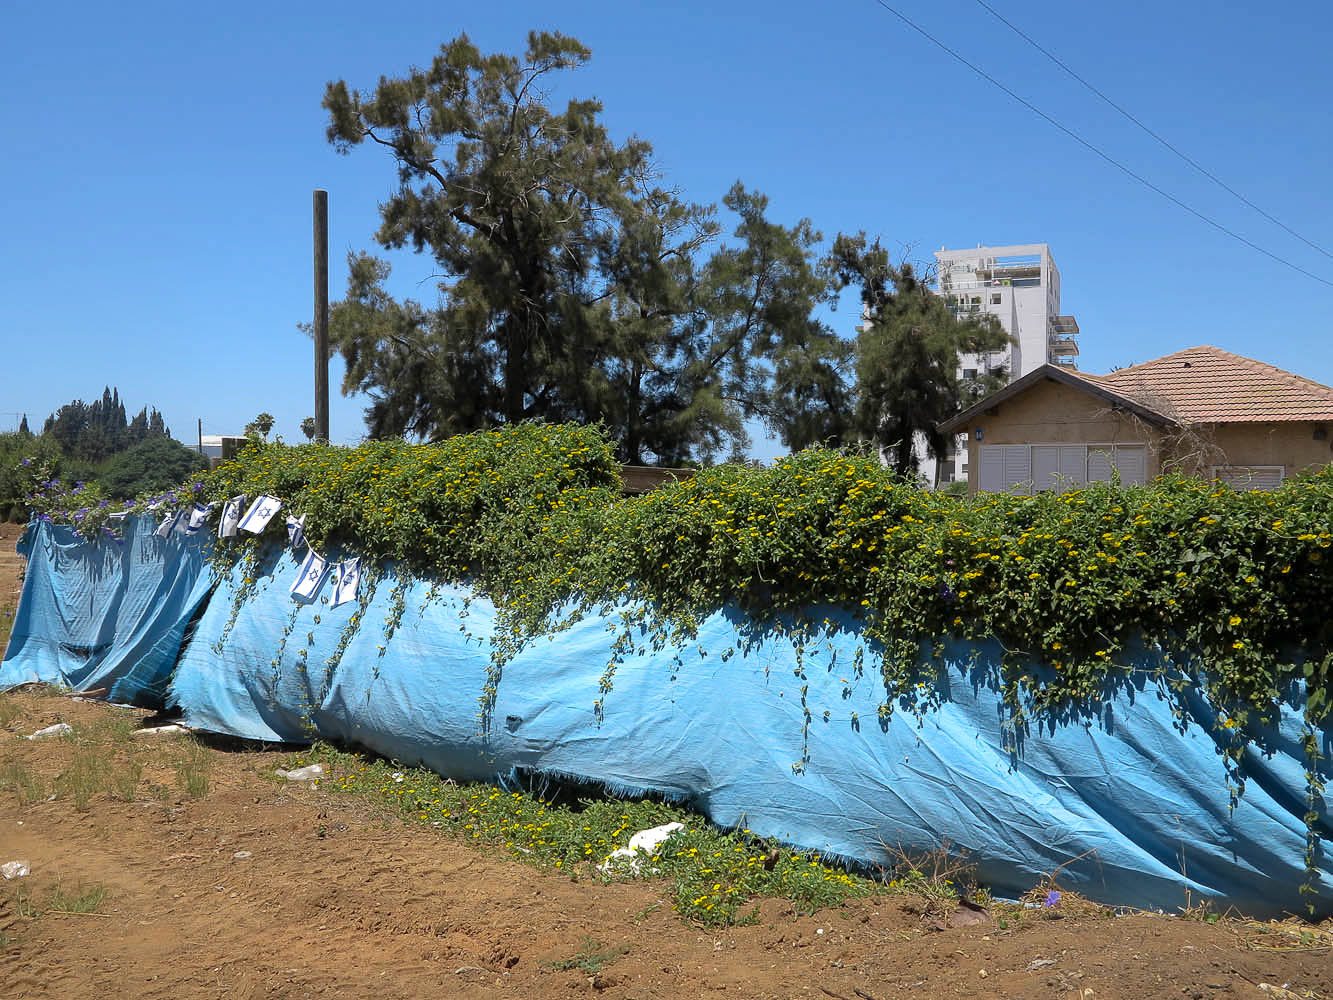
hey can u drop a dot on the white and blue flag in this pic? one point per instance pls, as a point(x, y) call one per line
point(259, 514)
point(231, 517)
point(349, 576)
point(168, 525)
point(296, 531)
point(313, 572)
point(197, 516)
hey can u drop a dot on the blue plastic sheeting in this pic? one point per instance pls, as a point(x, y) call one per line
point(1132, 803)
point(110, 615)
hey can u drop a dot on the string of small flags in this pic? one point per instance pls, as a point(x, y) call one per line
point(316, 569)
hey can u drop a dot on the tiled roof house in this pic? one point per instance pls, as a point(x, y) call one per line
point(1202, 411)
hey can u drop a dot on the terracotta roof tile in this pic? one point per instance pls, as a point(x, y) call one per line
point(1208, 385)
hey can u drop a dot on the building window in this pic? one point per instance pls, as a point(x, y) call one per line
point(1023, 468)
point(995, 298)
point(969, 373)
point(1250, 477)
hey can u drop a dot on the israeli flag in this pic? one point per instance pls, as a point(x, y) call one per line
point(349, 576)
point(308, 584)
point(231, 517)
point(196, 518)
point(260, 513)
point(168, 525)
point(296, 531)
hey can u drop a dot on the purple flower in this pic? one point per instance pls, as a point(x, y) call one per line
point(1052, 899)
point(198, 486)
point(27, 461)
point(104, 503)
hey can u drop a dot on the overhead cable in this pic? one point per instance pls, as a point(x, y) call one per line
point(1104, 155)
point(1184, 156)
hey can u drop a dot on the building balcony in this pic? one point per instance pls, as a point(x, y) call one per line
point(1062, 347)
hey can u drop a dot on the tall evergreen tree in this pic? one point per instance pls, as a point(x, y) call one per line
point(774, 359)
point(907, 353)
point(575, 285)
point(93, 432)
point(521, 207)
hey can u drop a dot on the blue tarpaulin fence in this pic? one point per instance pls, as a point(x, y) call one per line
point(108, 616)
point(1134, 800)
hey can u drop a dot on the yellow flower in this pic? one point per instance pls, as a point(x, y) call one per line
point(1234, 620)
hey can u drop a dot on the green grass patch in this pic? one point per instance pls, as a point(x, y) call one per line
point(18, 777)
point(193, 768)
point(716, 876)
point(83, 899)
point(592, 957)
point(88, 774)
point(125, 780)
point(60, 899)
point(9, 710)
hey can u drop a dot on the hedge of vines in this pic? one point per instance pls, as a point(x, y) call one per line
point(533, 517)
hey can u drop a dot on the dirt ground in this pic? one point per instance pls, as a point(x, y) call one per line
point(258, 888)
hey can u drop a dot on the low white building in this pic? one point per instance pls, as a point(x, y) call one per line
point(216, 447)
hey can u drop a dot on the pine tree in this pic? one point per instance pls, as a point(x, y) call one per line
point(907, 353)
point(574, 284)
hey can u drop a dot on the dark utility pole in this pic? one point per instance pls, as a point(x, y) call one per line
point(322, 316)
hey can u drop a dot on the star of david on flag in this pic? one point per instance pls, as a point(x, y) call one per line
point(198, 515)
point(313, 573)
point(259, 514)
point(296, 531)
point(349, 575)
point(231, 517)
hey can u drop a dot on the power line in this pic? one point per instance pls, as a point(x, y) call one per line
point(1105, 156)
point(1184, 156)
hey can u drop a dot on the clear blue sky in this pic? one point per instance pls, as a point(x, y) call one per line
point(158, 163)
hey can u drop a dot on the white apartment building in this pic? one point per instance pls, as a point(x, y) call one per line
point(1020, 285)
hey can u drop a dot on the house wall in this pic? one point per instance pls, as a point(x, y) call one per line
point(1287, 443)
point(1053, 413)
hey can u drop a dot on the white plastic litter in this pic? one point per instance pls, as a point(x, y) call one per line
point(645, 841)
point(302, 773)
point(14, 869)
point(160, 731)
point(242, 855)
point(58, 729)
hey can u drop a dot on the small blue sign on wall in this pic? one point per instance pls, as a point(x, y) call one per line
point(978, 433)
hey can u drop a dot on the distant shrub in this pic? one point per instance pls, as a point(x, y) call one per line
point(154, 465)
